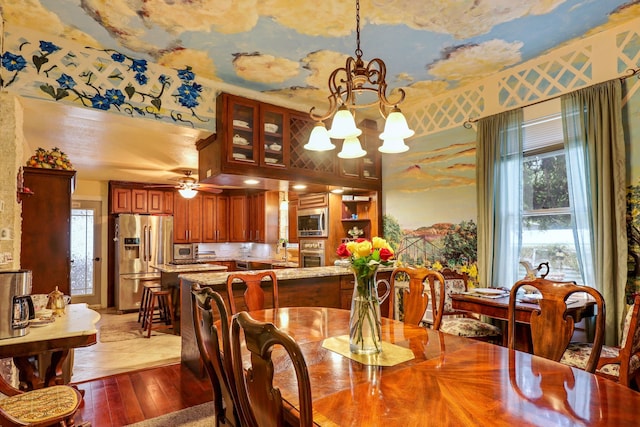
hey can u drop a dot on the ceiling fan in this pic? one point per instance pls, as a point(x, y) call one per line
point(188, 186)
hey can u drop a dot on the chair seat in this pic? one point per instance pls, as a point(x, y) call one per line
point(468, 327)
point(577, 355)
point(40, 406)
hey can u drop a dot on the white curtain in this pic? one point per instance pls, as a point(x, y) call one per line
point(499, 182)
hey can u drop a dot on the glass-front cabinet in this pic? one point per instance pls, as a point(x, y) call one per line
point(275, 125)
point(367, 167)
point(244, 131)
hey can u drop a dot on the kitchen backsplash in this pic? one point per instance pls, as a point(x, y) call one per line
point(242, 250)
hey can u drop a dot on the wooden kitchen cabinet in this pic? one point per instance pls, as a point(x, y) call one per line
point(120, 200)
point(263, 217)
point(238, 218)
point(187, 220)
point(133, 198)
point(215, 218)
point(46, 229)
point(139, 201)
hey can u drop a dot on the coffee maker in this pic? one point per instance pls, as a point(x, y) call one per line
point(16, 307)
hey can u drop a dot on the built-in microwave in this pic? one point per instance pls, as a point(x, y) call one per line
point(313, 222)
point(182, 251)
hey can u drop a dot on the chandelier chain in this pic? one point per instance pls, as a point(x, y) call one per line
point(358, 50)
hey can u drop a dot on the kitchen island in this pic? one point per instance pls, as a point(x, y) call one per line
point(297, 287)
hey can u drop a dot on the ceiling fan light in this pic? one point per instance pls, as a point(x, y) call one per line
point(395, 126)
point(188, 193)
point(351, 149)
point(393, 146)
point(319, 139)
point(344, 125)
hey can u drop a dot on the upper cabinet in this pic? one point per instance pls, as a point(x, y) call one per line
point(187, 220)
point(367, 168)
point(267, 141)
point(133, 198)
point(254, 133)
point(215, 218)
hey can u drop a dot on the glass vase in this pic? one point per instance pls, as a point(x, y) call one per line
point(365, 334)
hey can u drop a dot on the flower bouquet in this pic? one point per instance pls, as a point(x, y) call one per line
point(365, 257)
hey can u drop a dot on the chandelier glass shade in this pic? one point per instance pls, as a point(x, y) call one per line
point(363, 80)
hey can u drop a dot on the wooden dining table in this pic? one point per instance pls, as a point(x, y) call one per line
point(498, 308)
point(449, 381)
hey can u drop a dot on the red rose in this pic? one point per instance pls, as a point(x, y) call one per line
point(360, 240)
point(385, 254)
point(342, 251)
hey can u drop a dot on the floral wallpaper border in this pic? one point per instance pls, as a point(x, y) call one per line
point(105, 79)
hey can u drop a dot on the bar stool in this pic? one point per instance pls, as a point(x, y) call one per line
point(145, 300)
point(161, 307)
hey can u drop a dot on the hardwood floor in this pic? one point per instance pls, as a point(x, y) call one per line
point(131, 397)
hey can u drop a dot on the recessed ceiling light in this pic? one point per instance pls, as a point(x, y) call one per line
point(337, 191)
point(299, 187)
point(251, 181)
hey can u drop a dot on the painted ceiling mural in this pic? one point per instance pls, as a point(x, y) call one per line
point(289, 47)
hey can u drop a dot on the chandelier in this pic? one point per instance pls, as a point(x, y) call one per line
point(344, 84)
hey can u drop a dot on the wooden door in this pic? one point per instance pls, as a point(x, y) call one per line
point(139, 201)
point(155, 201)
point(180, 220)
point(222, 218)
point(121, 200)
point(209, 224)
point(195, 219)
point(238, 218)
point(46, 229)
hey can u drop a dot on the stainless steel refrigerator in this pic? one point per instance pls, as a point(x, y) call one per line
point(141, 241)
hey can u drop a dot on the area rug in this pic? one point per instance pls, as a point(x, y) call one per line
point(196, 416)
point(120, 332)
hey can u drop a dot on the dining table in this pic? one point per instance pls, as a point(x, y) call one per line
point(494, 303)
point(425, 377)
point(73, 329)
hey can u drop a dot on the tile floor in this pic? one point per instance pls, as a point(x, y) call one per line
point(104, 359)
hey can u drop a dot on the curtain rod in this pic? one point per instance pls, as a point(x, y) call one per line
point(468, 124)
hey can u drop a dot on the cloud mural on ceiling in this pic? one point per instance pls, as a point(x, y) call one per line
point(289, 48)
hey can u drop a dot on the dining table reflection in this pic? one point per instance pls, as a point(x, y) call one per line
point(450, 380)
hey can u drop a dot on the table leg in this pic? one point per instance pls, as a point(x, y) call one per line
point(54, 370)
point(28, 374)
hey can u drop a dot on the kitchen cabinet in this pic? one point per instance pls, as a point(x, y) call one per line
point(238, 218)
point(215, 218)
point(187, 220)
point(263, 217)
point(132, 198)
point(369, 167)
point(46, 229)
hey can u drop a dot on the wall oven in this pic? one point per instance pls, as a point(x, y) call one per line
point(312, 253)
point(313, 222)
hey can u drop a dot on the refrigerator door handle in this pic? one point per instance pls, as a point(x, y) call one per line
point(148, 237)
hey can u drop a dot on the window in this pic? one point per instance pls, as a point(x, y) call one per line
point(547, 226)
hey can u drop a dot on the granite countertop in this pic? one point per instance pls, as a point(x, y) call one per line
point(281, 274)
point(182, 268)
point(272, 261)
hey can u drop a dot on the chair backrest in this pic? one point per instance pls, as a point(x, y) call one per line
point(261, 402)
point(416, 297)
point(208, 307)
point(551, 327)
point(254, 295)
point(454, 283)
point(630, 344)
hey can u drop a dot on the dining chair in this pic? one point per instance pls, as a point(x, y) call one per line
point(459, 322)
point(621, 364)
point(260, 402)
point(207, 307)
point(551, 328)
point(415, 298)
point(254, 296)
point(49, 406)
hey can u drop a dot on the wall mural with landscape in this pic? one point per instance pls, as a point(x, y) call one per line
point(430, 201)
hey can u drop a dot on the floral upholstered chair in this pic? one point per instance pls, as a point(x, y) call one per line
point(621, 364)
point(463, 323)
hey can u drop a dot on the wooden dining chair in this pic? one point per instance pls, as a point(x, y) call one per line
point(260, 402)
point(49, 406)
point(208, 307)
point(415, 298)
point(621, 364)
point(551, 327)
point(254, 296)
point(463, 323)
